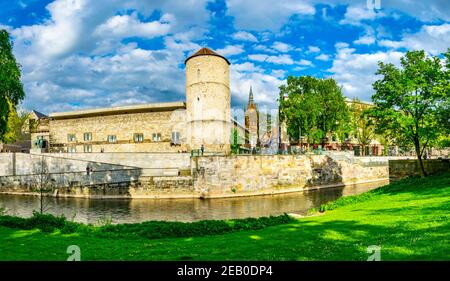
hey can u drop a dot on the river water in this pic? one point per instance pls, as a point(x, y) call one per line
point(139, 210)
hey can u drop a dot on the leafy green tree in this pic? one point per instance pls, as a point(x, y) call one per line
point(312, 107)
point(15, 128)
point(407, 100)
point(11, 88)
point(362, 124)
point(235, 141)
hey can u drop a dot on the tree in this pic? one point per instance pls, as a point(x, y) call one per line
point(408, 98)
point(15, 127)
point(312, 107)
point(11, 88)
point(235, 141)
point(361, 124)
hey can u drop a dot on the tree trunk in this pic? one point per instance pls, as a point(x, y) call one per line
point(423, 173)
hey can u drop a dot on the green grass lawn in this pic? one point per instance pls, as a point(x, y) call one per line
point(410, 220)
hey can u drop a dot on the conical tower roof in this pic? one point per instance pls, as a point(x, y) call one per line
point(205, 52)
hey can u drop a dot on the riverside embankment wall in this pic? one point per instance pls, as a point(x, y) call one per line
point(150, 175)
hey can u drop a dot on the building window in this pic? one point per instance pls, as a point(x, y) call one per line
point(138, 137)
point(87, 136)
point(176, 138)
point(71, 138)
point(156, 137)
point(72, 149)
point(87, 148)
point(112, 139)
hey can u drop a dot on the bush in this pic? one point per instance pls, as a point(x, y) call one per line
point(149, 230)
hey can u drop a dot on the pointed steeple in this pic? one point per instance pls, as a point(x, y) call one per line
point(250, 96)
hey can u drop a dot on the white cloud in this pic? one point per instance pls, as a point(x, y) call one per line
point(266, 14)
point(123, 26)
point(244, 36)
point(231, 50)
point(313, 49)
point(365, 40)
point(323, 57)
point(281, 47)
point(434, 39)
point(280, 59)
point(246, 67)
point(264, 49)
point(355, 14)
point(356, 72)
point(305, 62)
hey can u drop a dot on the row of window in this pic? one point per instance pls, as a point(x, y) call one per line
point(137, 137)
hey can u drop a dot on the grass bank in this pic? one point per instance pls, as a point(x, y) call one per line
point(409, 220)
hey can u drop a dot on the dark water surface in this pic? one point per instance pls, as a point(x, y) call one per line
point(138, 210)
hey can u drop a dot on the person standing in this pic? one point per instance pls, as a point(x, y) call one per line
point(202, 148)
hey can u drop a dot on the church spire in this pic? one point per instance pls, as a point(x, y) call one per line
point(250, 96)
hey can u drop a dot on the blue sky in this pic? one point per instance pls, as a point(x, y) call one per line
point(82, 54)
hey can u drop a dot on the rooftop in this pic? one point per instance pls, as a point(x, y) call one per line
point(206, 52)
point(149, 107)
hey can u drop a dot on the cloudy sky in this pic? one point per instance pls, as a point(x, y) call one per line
point(93, 53)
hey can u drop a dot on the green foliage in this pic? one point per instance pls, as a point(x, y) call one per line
point(149, 230)
point(235, 141)
point(11, 88)
point(362, 125)
point(44, 222)
point(407, 100)
point(316, 107)
point(16, 121)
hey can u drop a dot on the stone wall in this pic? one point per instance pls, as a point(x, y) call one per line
point(123, 126)
point(403, 168)
point(26, 164)
point(246, 175)
point(127, 174)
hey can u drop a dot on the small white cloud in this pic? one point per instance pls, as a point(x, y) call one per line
point(323, 57)
point(123, 26)
point(365, 40)
point(341, 45)
point(355, 14)
point(244, 36)
point(280, 59)
point(246, 67)
point(305, 62)
point(281, 47)
point(231, 50)
point(313, 49)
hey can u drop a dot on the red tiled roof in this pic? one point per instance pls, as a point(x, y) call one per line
point(206, 52)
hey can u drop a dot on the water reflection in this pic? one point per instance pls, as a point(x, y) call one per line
point(138, 210)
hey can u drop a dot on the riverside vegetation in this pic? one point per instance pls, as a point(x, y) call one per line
point(408, 219)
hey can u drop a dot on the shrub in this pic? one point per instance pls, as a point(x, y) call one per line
point(149, 229)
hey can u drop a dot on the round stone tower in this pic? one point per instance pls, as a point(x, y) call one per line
point(208, 101)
